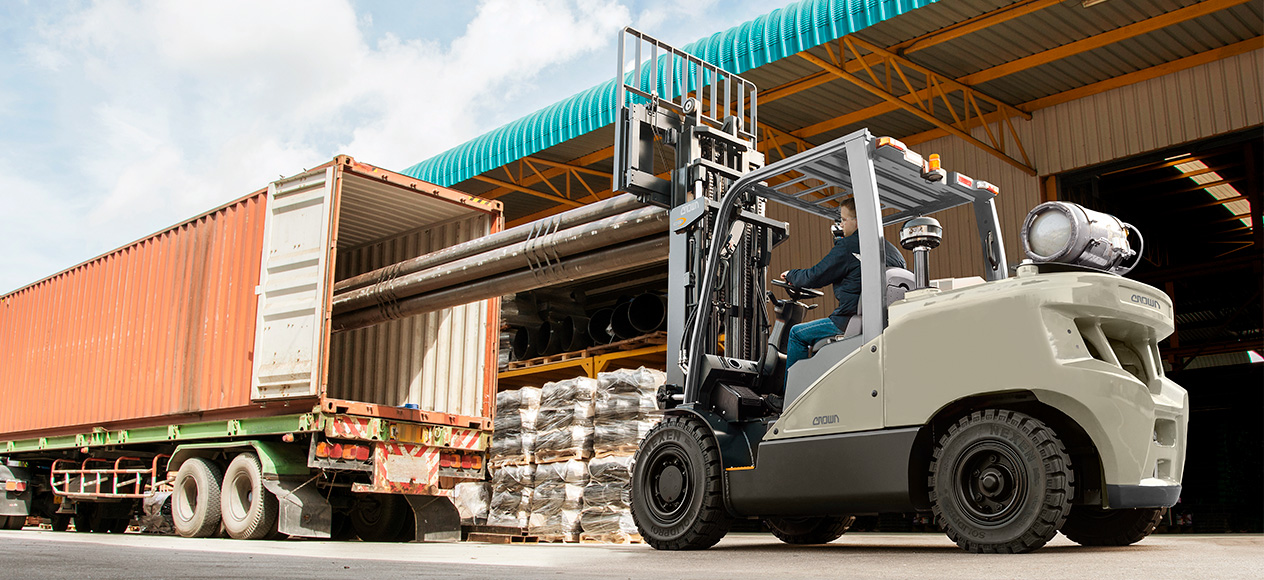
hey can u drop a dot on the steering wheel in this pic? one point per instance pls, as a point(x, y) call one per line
point(796, 293)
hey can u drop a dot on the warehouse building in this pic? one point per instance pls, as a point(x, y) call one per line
point(1146, 109)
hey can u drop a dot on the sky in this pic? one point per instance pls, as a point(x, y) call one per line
point(121, 118)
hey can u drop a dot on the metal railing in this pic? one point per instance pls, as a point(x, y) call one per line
point(118, 481)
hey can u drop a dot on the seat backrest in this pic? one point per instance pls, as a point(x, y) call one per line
point(899, 282)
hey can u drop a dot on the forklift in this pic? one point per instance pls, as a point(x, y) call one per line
point(1013, 405)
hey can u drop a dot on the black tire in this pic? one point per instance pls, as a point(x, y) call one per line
point(340, 527)
point(60, 522)
point(380, 517)
point(14, 522)
point(195, 504)
point(678, 486)
point(1000, 482)
point(83, 517)
point(249, 511)
point(117, 525)
point(1093, 526)
point(809, 530)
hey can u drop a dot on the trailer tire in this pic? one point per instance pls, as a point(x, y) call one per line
point(248, 509)
point(1000, 482)
point(380, 517)
point(117, 525)
point(14, 522)
point(83, 517)
point(60, 522)
point(1090, 525)
point(678, 486)
point(195, 509)
point(809, 530)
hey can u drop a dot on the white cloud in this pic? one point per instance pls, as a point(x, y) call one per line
point(156, 110)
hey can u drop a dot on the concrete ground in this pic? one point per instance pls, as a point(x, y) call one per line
point(41, 554)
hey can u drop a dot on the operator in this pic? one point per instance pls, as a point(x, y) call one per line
point(840, 267)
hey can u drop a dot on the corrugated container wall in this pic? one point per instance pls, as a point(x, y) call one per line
point(428, 360)
point(162, 327)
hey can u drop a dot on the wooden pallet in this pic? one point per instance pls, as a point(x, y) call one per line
point(652, 339)
point(487, 538)
point(544, 360)
point(558, 457)
point(559, 538)
point(507, 462)
point(616, 538)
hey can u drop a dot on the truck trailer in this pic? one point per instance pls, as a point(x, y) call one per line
point(196, 372)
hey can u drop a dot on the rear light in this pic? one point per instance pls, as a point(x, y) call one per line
point(889, 142)
point(467, 462)
point(349, 451)
point(988, 186)
point(362, 453)
point(962, 180)
point(335, 451)
point(15, 485)
point(322, 449)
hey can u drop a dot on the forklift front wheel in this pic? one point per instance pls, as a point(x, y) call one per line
point(1000, 482)
point(678, 487)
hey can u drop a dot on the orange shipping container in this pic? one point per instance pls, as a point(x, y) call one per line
point(193, 323)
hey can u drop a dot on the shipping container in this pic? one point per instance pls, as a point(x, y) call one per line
point(212, 340)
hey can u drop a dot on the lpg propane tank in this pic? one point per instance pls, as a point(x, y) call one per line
point(1068, 233)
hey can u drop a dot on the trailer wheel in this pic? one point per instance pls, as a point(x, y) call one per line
point(809, 530)
point(195, 509)
point(249, 511)
point(1093, 526)
point(678, 487)
point(117, 525)
point(60, 522)
point(14, 522)
point(83, 517)
point(380, 517)
point(1000, 482)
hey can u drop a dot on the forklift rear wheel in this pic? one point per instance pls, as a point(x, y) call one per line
point(1090, 525)
point(809, 530)
point(678, 487)
point(1000, 482)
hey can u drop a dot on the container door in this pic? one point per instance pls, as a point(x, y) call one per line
point(291, 327)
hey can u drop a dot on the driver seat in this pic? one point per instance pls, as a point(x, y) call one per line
point(899, 282)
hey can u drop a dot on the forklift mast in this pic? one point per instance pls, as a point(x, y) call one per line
point(716, 188)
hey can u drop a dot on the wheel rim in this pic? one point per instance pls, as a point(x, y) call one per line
point(670, 484)
point(992, 485)
point(186, 508)
point(242, 498)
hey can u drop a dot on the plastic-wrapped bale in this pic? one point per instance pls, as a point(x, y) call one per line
point(472, 501)
point(625, 409)
point(558, 498)
point(512, 489)
point(607, 513)
point(513, 430)
point(564, 424)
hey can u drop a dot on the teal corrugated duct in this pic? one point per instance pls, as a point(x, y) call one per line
point(771, 37)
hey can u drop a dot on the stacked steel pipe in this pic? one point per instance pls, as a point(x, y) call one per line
point(614, 235)
point(630, 318)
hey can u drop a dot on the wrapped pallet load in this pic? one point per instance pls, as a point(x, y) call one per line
point(625, 409)
point(513, 434)
point(512, 488)
point(564, 424)
point(607, 513)
point(557, 500)
point(472, 501)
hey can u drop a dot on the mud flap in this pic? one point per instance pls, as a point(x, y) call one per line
point(437, 518)
point(304, 512)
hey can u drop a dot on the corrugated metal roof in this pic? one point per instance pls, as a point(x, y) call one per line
point(771, 37)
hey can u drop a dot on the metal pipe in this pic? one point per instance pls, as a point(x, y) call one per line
point(550, 335)
point(620, 326)
point(541, 251)
point(525, 344)
point(648, 312)
point(637, 254)
point(576, 336)
point(567, 219)
point(598, 326)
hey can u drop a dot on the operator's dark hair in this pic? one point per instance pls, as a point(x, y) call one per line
point(849, 203)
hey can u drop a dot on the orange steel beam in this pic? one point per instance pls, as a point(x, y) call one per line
point(925, 110)
point(975, 24)
point(515, 187)
point(1117, 82)
point(1097, 41)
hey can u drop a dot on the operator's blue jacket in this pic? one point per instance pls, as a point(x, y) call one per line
point(841, 267)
